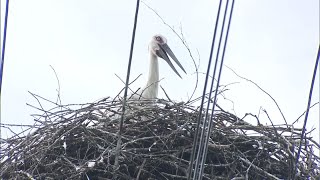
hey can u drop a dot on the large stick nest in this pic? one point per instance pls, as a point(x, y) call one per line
point(157, 139)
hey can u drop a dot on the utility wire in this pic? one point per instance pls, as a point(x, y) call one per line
point(126, 86)
point(4, 43)
point(199, 159)
point(195, 140)
point(204, 155)
point(201, 147)
point(308, 108)
point(2, 55)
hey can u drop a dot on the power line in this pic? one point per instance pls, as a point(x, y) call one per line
point(199, 159)
point(2, 55)
point(4, 43)
point(308, 107)
point(205, 123)
point(127, 84)
point(216, 91)
point(195, 140)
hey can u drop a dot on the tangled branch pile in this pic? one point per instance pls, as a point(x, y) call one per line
point(156, 144)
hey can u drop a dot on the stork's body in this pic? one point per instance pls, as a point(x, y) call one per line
point(157, 48)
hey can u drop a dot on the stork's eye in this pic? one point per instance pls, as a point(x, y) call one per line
point(158, 38)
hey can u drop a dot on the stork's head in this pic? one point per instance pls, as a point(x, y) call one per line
point(159, 47)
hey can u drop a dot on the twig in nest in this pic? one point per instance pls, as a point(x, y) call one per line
point(261, 90)
point(166, 93)
point(156, 145)
point(58, 90)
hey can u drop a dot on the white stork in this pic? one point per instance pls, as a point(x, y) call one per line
point(158, 47)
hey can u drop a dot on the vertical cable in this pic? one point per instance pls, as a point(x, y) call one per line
point(204, 125)
point(126, 87)
point(216, 92)
point(2, 56)
point(195, 143)
point(4, 44)
point(308, 107)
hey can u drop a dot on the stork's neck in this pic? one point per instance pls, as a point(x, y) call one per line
point(153, 78)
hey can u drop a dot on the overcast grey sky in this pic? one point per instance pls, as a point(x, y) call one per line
point(272, 42)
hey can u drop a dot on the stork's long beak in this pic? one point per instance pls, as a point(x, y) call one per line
point(163, 53)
